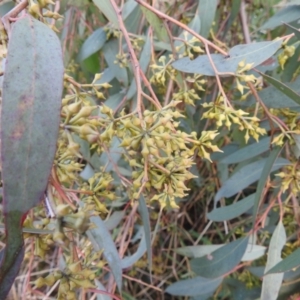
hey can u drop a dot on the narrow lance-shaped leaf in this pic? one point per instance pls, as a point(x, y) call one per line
point(92, 44)
point(289, 263)
point(288, 14)
point(272, 282)
point(247, 152)
point(282, 88)
point(295, 30)
point(220, 261)
point(272, 99)
point(107, 9)
point(101, 239)
point(194, 287)
point(232, 211)
point(206, 12)
point(146, 224)
point(157, 24)
point(255, 54)
point(267, 168)
point(252, 251)
point(32, 90)
point(246, 176)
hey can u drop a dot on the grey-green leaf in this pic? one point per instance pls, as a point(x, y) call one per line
point(267, 167)
point(221, 261)
point(92, 44)
point(157, 24)
point(32, 92)
point(273, 99)
point(101, 239)
point(146, 224)
point(246, 176)
point(184, 35)
point(289, 263)
point(128, 8)
point(255, 54)
point(252, 252)
point(110, 50)
point(287, 15)
point(232, 211)
point(283, 88)
point(107, 9)
point(272, 282)
point(206, 12)
point(194, 287)
point(144, 63)
point(128, 261)
point(295, 30)
point(247, 152)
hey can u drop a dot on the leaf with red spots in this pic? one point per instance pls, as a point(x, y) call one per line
point(32, 90)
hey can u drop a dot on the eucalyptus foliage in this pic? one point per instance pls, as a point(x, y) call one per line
point(122, 118)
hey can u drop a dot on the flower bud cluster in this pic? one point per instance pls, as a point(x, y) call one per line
point(288, 52)
point(290, 178)
point(38, 11)
point(189, 46)
point(187, 96)
point(73, 277)
point(99, 187)
point(163, 149)
point(224, 115)
point(162, 71)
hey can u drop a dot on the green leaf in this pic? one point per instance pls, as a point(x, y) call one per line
point(272, 282)
point(146, 224)
point(194, 287)
point(289, 263)
point(287, 15)
point(107, 9)
point(92, 44)
point(283, 88)
point(232, 211)
point(206, 12)
point(157, 25)
point(32, 91)
point(91, 65)
point(101, 239)
point(220, 261)
point(247, 152)
point(246, 176)
point(267, 168)
point(255, 54)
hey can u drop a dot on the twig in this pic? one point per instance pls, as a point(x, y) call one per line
point(185, 27)
point(134, 60)
point(245, 22)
